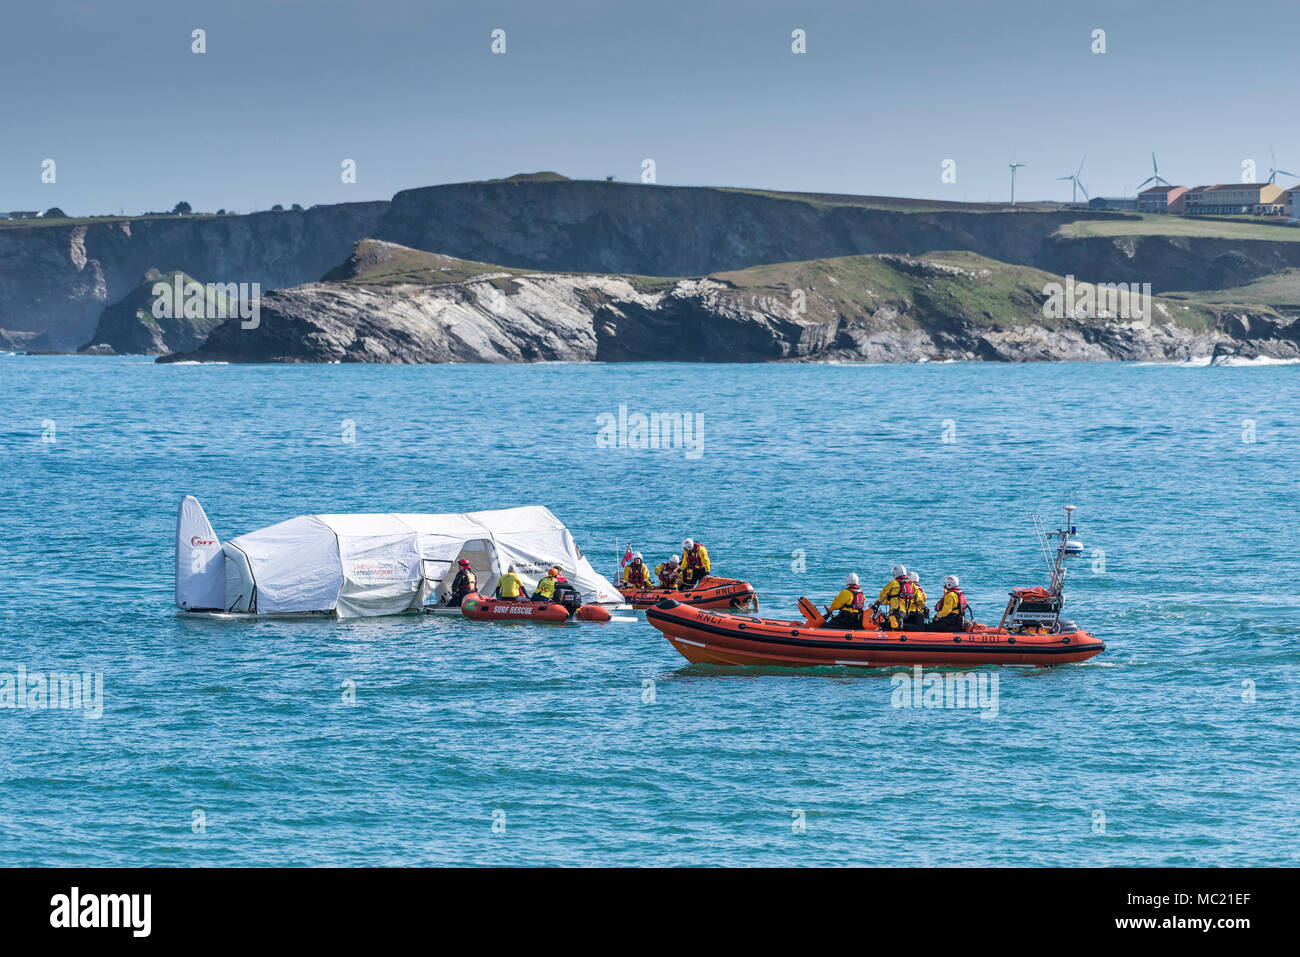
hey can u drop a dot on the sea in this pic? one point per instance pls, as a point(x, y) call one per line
point(423, 740)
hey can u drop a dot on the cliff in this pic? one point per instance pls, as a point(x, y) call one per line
point(57, 277)
point(130, 326)
point(393, 304)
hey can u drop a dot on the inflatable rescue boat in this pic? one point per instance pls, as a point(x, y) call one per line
point(709, 592)
point(722, 638)
point(1031, 631)
point(480, 608)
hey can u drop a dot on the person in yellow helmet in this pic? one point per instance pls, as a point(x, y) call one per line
point(897, 591)
point(669, 572)
point(636, 574)
point(545, 590)
point(847, 607)
point(695, 562)
point(511, 586)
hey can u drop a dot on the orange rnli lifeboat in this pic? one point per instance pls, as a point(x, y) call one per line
point(480, 608)
point(720, 638)
point(709, 592)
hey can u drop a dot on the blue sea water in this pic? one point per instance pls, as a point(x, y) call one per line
point(226, 743)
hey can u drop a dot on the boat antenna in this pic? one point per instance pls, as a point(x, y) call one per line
point(1041, 532)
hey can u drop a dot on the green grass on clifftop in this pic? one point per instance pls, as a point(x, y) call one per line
point(377, 263)
point(1154, 224)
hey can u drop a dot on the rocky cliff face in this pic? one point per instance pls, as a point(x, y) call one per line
point(57, 279)
point(509, 316)
point(1167, 262)
point(132, 325)
point(685, 231)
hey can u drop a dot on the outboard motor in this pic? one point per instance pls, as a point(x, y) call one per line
point(570, 601)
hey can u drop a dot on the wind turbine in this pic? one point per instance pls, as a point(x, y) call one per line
point(1273, 170)
point(1074, 189)
point(1014, 167)
point(1155, 176)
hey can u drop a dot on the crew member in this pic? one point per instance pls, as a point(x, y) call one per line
point(846, 610)
point(546, 587)
point(510, 586)
point(897, 591)
point(915, 608)
point(565, 594)
point(462, 584)
point(695, 562)
point(635, 573)
point(669, 572)
point(950, 615)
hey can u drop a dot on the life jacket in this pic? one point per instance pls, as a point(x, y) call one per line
point(668, 573)
point(859, 599)
point(906, 589)
point(546, 587)
point(638, 574)
point(691, 557)
point(961, 602)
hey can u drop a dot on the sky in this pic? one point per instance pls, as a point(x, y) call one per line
point(711, 91)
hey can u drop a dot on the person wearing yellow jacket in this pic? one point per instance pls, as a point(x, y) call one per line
point(898, 591)
point(510, 585)
point(950, 615)
point(914, 607)
point(636, 574)
point(695, 562)
point(668, 572)
point(546, 587)
point(847, 607)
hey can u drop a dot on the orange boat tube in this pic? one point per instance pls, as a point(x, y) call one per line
point(710, 592)
point(479, 608)
point(719, 638)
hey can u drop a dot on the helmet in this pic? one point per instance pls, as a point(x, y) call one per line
point(636, 556)
point(900, 571)
point(851, 580)
point(951, 581)
point(675, 560)
point(688, 544)
point(464, 563)
point(553, 570)
point(914, 577)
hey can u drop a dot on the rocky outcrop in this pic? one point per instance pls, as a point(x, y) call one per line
point(933, 311)
point(133, 326)
point(689, 231)
point(12, 341)
point(57, 279)
point(1167, 262)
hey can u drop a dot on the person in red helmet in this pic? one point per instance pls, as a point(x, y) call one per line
point(463, 584)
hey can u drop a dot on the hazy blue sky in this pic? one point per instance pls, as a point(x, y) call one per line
point(710, 90)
